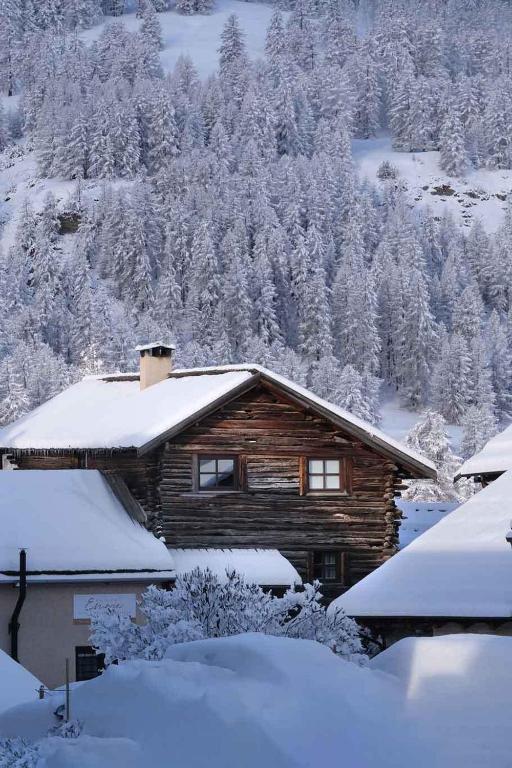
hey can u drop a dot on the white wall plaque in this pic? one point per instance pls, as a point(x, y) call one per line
point(84, 604)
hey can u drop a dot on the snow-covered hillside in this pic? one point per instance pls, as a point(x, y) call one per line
point(198, 36)
point(479, 195)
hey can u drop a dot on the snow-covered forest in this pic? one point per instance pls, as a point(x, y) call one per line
point(226, 213)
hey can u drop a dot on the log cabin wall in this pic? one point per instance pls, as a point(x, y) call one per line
point(272, 439)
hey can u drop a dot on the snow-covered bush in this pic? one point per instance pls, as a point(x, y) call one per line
point(18, 753)
point(202, 606)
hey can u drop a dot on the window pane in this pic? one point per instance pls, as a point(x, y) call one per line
point(332, 481)
point(330, 558)
point(330, 573)
point(225, 465)
point(316, 466)
point(226, 479)
point(332, 466)
point(316, 482)
point(207, 465)
point(207, 481)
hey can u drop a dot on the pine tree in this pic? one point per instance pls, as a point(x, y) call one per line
point(453, 158)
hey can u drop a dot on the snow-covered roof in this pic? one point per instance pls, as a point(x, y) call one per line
point(112, 412)
point(266, 567)
point(152, 345)
point(495, 456)
point(461, 567)
point(70, 521)
point(419, 516)
point(18, 684)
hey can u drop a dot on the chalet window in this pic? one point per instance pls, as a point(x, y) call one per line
point(327, 566)
point(88, 663)
point(325, 475)
point(216, 473)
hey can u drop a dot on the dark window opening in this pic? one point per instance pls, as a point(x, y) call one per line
point(217, 474)
point(325, 475)
point(327, 566)
point(89, 664)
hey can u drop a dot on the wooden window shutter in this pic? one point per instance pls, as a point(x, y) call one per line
point(348, 475)
point(242, 472)
point(310, 569)
point(303, 476)
point(344, 574)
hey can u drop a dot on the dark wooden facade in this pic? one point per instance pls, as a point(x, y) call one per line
point(271, 438)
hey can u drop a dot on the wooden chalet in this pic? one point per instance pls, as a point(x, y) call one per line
point(231, 457)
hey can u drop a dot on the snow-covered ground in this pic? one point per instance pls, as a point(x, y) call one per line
point(255, 700)
point(481, 194)
point(397, 421)
point(199, 36)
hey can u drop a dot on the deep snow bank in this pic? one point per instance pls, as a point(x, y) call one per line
point(460, 688)
point(248, 701)
point(255, 701)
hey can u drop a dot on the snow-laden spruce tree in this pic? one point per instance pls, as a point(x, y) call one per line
point(430, 438)
point(479, 425)
point(202, 606)
point(453, 159)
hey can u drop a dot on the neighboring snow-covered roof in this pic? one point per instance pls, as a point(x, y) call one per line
point(267, 567)
point(419, 516)
point(461, 567)
point(68, 521)
point(17, 684)
point(495, 456)
point(106, 412)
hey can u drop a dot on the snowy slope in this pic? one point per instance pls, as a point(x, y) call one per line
point(199, 36)
point(481, 194)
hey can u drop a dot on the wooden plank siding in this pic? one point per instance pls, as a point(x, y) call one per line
point(272, 438)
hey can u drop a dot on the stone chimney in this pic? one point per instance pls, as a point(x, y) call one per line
point(155, 362)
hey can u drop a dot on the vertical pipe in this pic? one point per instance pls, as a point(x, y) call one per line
point(14, 625)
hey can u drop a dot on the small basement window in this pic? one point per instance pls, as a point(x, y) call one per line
point(327, 566)
point(89, 664)
point(325, 475)
point(217, 473)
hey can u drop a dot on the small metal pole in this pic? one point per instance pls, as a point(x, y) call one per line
point(68, 712)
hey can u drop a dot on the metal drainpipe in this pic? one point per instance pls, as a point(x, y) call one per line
point(14, 623)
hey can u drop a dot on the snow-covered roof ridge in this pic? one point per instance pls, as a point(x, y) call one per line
point(110, 412)
point(46, 512)
point(267, 567)
point(362, 426)
point(495, 456)
point(461, 567)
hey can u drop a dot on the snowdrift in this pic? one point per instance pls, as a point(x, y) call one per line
point(17, 684)
point(460, 688)
point(248, 701)
point(251, 701)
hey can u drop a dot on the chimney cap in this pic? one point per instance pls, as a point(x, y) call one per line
point(154, 345)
